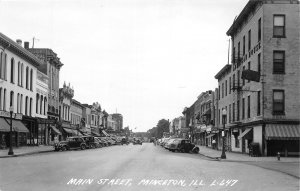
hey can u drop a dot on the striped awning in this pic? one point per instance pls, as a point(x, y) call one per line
point(282, 132)
point(55, 130)
point(18, 126)
point(4, 126)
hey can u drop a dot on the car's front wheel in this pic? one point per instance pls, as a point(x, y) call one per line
point(82, 147)
point(64, 148)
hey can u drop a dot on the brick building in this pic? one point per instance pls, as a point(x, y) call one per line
point(260, 88)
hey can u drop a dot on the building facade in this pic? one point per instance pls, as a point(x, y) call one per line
point(259, 88)
point(18, 81)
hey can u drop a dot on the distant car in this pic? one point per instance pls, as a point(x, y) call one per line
point(124, 141)
point(137, 142)
point(103, 141)
point(91, 142)
point(71, 143)
point(184, 146)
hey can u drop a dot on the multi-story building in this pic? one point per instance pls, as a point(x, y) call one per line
point(41, 108)
point(118, 118)
point(51, 67)
point(18, 81)
point(65, 98)
point(76, 113)
point(86, 118)
point(260, 89)
point(112, 124)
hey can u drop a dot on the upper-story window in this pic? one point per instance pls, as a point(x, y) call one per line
point(244, 45)
point(239, 46)
point(259, 30)
point(31, 78)
point(278, 102)
point(12, 70)
point(258, 63)
point(27, 77)
point(279, 26)
point(3, 65)
point(249, 40)
point(278, 62)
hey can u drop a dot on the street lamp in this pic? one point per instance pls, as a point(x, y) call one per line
point(10, 152)
point(224, 113)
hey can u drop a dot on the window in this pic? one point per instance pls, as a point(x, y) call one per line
point(226, 88)
point(278, 62)
point(249, 40)
point(37, 103)
point(243, 108)
point(278, 102)
point(259, 30)
point(3, 66)
point(238, 110)
point(249, 67)
point(22, 73)
point(258, 103)
point(12, 70)
point(0, 98)
point(249, 107)
point(27, 77)
point(244, 45)
point(19, 73)
point(238, 78)
point(26, 105)
point(258, 63)
point(31, 73)
point(222, 90)
point(233, 80)
point(220, 117)
point(11, 103)
point(229, 85)
point(219, 92)
point(279, 26)
point(243, 79)
point(239, 51)
point(229, 113)
point(18, 103)
point(233, 112)
point(30, 107)
point(21, 104)
point(4, 100)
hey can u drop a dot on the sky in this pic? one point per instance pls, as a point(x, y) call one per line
point(145, 59)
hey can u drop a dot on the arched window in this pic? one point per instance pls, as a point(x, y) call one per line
point(21, 104)
point(1, 66)
point(0, 98)
point(22, 73)
point(11, 102)
point(4, 100)
point(18, 102)
point(12, 70)
point(41, 105)
point(26, 105)
point(19, 73)
point(45, 105)
point(30, 107)
point(37, 103)
point(31, 77)
point(27, 77)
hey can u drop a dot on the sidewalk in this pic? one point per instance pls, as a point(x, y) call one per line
point(240, 157)
point(26, 150)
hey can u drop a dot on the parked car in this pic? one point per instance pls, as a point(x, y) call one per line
point(103, 141)
point(124, 141)
point(91, 142)
point(71, 143)
point(110, 141)
point(184, 146)
point(168, 143)
point(137, 142)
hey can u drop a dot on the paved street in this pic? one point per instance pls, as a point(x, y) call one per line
point(135, 167)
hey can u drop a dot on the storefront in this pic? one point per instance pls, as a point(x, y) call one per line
point(283, 138)
point(19, 131)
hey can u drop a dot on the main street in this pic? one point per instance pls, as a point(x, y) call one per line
point(135, 167)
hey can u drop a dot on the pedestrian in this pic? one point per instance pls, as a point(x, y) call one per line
point(214, 143)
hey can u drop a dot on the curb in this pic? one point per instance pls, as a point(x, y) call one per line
point(215, 158)
point(25, 154)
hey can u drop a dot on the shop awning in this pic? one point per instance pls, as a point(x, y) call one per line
point(209, 136)
point(282, 132)
point(244, 133)
point(70, 131)
point(55, 130)
point(18, 126)
point(4, 126)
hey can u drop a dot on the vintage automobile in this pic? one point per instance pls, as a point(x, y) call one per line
point(91, 142)
point(184, 146)
point(103, 141)
point(71, 143)
point(137, 141)
point(125, 141)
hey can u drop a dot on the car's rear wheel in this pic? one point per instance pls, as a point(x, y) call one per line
point(196, 150)
point(64, 148)
point(182, 150)
point(82, 147)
